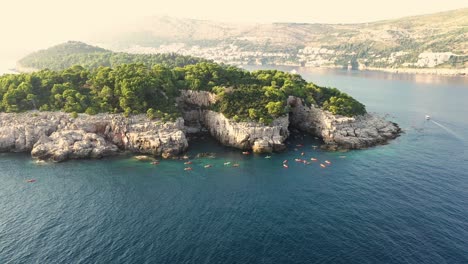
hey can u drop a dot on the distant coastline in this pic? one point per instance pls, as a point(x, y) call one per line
point(430, 71)
point(423, 71)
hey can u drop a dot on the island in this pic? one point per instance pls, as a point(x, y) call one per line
point(151, 107)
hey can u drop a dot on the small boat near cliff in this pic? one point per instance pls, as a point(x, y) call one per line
point(188, 169)
point(245, 152)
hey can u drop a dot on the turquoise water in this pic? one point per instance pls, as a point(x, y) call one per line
point(405, 202)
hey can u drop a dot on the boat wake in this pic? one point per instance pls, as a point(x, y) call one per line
point(451, 132)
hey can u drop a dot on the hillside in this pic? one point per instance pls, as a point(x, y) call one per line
point(71, 53)
point(429, 41)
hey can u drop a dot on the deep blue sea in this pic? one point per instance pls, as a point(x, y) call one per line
point(406, 202)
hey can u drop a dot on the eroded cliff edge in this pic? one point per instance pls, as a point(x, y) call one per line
point(337, 132)
point(57, 136)
point(243, 135)
point(340, 132)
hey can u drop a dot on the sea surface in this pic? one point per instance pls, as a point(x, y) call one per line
point(405, 202)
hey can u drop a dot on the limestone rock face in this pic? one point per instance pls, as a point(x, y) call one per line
point(72, 144)
point(19, 132)
point(243, 135)
point(339, 132)
point(248, 135)
point(55, 136)
point(198, 98)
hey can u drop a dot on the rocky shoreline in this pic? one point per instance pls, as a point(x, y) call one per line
point(340, 132)
point(56, 136)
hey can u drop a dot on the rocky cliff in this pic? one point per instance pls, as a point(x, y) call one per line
point(56, 136)
point(339, 132)
point(243, 135)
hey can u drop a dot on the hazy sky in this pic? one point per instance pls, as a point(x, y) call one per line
point(26, 25)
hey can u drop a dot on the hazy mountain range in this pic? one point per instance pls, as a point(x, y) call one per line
point(428, 41)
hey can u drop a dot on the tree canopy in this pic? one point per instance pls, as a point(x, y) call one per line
point(137, 88)
point(71, 53)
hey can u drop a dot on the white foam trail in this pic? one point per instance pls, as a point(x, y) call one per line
point(451, 132)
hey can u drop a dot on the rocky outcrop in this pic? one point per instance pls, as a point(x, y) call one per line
point(247, 135)
point(56, 136)
point(197, 98)
point(339, 132)
point(243, 135)
point(72, 144)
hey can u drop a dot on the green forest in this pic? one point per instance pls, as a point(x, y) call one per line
point(78, 78)
point(136, 88)
point(72, 53)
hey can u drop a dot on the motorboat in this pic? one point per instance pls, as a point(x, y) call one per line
point(428, 117)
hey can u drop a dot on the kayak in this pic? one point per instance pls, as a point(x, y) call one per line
point(31, 180)
point(208, 166)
